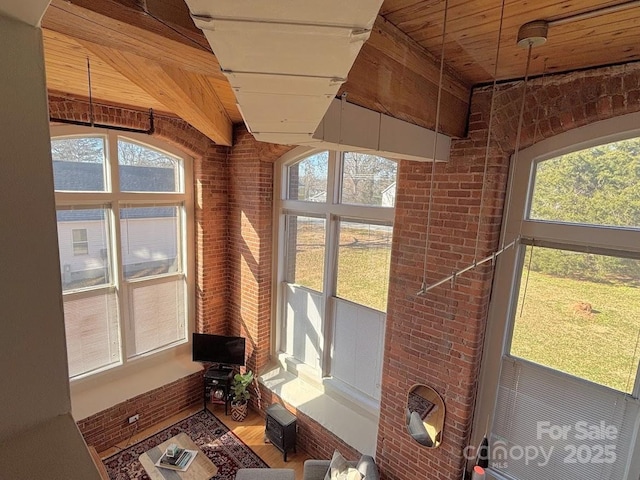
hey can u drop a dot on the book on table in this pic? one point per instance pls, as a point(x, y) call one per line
point(180, 460)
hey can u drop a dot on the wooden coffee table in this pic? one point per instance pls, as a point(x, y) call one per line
point(200, 469)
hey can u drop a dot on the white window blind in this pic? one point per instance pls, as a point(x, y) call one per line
point(303, 325)
point(157, 316)
point(91, 327)
point(358, 343)
point(545, 412)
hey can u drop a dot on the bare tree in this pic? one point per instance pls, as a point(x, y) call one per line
point(78, 149)
point(130, 153)
point(311, 174)
point(365, 177)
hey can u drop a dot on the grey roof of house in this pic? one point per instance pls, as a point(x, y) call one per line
point(79, 176)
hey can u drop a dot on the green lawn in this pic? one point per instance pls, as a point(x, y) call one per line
point(600, 345)
point(363, 264)
point(554, 329)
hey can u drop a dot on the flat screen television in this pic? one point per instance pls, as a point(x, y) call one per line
point(218, 349)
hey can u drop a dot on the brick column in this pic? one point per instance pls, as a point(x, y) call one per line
point(251, 243)
point(437, 339)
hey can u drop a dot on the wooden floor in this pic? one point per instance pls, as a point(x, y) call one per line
point(250, 431)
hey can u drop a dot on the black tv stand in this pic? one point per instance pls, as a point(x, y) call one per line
point(218, 378)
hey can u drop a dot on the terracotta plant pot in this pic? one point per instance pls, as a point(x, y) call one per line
point(238, 411)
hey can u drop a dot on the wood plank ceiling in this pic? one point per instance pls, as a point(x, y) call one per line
point(472, 34)
point(148, 54)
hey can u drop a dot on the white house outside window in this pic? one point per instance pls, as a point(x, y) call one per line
point(122, 209)
point(336, 220)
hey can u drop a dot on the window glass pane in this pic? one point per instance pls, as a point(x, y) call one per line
point(150, 240)
point(305, 251)
point(92, 334)
point(80, 241)
point(368, 180)
point(83, 241)
point(308, 178)
point(78, 164)
point(364, 253)
point(157, 316)
point(599, 186)
point(580, 315)
point(143, 169)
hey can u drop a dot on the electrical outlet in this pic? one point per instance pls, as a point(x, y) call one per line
point(134, 418)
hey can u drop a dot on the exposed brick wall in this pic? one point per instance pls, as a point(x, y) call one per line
point(170, 129)
point(251, 243)
point(211, 236)
point(212, 245)
point(106, 428)
point(437, 339)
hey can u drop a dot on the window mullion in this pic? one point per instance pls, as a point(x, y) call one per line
point(118, 278)
point(330, 279)
point(333, 178)
point(330, 261)
point(147, 198)
point(112, 174)
point(122, 293)
point(635, 393)
point(80, 198)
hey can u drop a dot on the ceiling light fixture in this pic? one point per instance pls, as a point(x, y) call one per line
point(533, 33)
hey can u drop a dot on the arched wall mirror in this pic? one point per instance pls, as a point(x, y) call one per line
point(425, 415)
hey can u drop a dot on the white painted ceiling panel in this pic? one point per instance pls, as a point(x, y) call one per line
point(347, 121)
point(286, 138)
point(285, 60)
point(287, 116)
point(302, 50)
point(282, 84)
point(351, 13)
point(413, 141)
point(348, 127)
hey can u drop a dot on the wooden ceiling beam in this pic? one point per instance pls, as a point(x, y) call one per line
point(395, 75)
point(66, 67)
point(117, 26)
point(187, 94)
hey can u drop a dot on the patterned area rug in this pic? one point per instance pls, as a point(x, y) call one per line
point(222, 446)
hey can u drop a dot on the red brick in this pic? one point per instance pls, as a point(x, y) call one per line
point(436, 339)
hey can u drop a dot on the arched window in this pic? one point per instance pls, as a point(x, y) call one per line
point(122, 231)
point(336, 219)
point(560, 372)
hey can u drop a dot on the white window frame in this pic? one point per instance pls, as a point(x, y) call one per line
point(115, 199)
point(596, 239)
point(333, 211)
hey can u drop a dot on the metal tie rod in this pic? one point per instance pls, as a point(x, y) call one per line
point(452, 277)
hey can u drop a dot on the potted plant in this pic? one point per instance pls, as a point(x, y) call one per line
point(240, 395)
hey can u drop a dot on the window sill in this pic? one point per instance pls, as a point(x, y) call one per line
point(356, 426)
point(103, 390)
